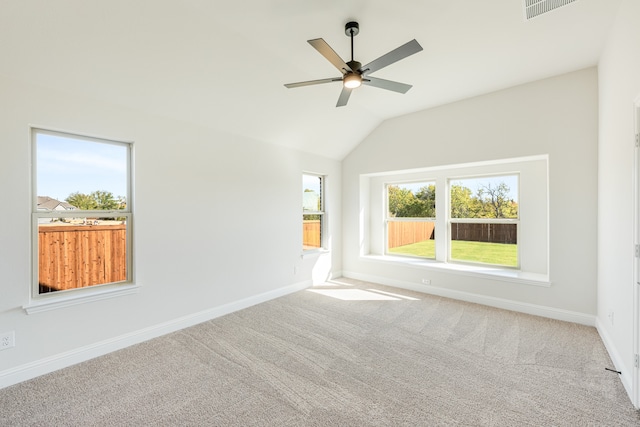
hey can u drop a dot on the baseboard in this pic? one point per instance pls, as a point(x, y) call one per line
point(49, 364)
point(521, 307)
point(626, 377)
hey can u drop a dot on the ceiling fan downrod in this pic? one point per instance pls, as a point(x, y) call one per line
point(351, 29)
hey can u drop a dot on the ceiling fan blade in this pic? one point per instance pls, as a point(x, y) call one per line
point(386, 84)
point(313, 82)
point(325, 50)
point(395, 55)
point(344, 97)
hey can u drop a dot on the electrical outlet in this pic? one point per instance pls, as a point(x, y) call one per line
point(610, 316)
point(426, 281)
point(7, 340)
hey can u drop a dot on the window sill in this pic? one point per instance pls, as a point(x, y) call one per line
point(314, 253)
point(485, 272)
point(54, 303)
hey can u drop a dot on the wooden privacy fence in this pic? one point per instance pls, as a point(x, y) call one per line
point(78, 256)
point(492, 233)
point(400, 233)
point(311, 233)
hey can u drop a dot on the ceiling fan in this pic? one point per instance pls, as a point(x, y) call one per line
point(353, 73)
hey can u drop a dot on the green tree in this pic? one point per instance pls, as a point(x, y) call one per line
point(82, 201)
point(462, 204)
point(105, 200)
point(122, 202)
point(495, 201)
point(99, 199)
point(427, 195)
point(489, 202)
point(404, 204)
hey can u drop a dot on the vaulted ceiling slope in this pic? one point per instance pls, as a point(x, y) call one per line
point(224, 64)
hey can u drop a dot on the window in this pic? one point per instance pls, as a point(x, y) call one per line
point(410, 221)
point(312, 212)
point(484, 220)
point(490, 217)
point(82, 213)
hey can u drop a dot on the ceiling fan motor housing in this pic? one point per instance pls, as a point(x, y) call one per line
point(351, 26)
point(354, 65)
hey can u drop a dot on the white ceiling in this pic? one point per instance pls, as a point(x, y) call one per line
point(222, 64)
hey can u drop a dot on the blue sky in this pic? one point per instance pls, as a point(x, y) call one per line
point(67, 165)
point(311, 182)
point(475, 183)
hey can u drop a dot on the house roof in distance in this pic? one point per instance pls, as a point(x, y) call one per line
point(51, 204)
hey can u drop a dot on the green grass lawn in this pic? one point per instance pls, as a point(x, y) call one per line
point(489, 253)
point(425, 249)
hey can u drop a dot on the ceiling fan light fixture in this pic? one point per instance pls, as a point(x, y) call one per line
point(352, 80)
point(353, 74)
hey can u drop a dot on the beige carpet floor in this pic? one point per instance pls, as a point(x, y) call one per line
point(347, 353)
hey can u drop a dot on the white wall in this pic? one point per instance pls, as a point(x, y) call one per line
point(217, 222)
point(556, 116)
point(619, 84)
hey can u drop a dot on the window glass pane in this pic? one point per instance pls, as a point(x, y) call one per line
point(490, 197)
point(411, 200)
point(413, 238)
point(82, 173)
point(81, 252)
point(485, 197)
point(414, 200)
point(313, 211)
point(311, 231)
point(486, 243)
point(311, 193)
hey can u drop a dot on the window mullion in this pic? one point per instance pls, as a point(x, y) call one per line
point(442, 215)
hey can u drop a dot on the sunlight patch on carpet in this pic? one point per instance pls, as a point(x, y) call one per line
point(354, 295)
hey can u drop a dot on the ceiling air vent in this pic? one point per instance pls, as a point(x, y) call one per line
point(533, 8)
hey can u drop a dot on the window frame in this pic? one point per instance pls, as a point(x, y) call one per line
point(451, 220)
point(388, 219)
point(320, 213)
point(534, 216)
point(49, 300)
